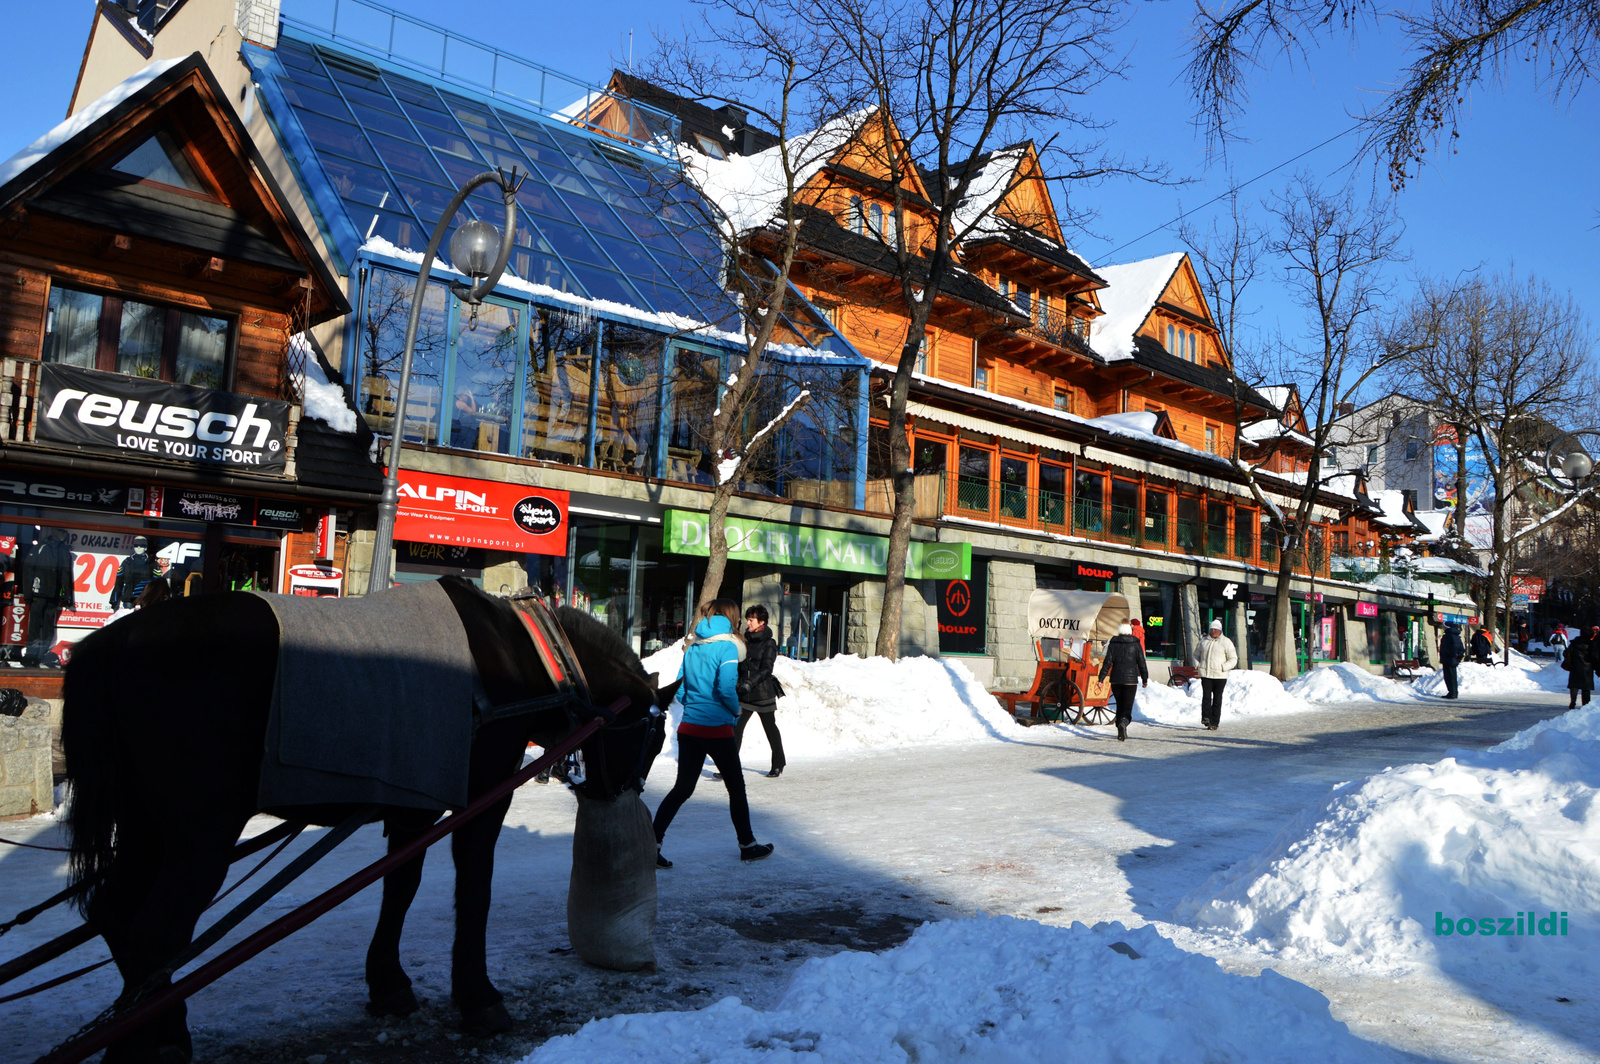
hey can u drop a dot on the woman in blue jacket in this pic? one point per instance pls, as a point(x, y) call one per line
point(710, 709)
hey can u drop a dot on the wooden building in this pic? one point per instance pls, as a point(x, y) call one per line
point(152, 417)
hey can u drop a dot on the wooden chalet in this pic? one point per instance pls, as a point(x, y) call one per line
point(151, 408)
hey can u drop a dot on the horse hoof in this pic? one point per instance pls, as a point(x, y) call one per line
point(399, 1002)
point(487, 1021)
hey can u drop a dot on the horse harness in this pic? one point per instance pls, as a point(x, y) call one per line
point(558, 660)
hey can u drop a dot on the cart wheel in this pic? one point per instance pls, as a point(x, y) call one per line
point(1055, 701)
point(1066, 701)
point(1096, 714)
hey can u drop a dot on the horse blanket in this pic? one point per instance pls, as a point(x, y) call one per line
point(372, 701)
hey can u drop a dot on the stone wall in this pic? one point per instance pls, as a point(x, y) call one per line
point(26, 783)
point(919, 619)
point(1010, 585)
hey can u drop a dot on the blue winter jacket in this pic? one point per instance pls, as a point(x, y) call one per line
point(711, 674)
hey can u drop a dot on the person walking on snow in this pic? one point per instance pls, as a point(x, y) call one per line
point(1558, 638)
point(1450, 654)
point(759, 690)
point(1482, 648)
point(710, 700)
point(1216, 657)
point(1124, 660)
point(1579, 661)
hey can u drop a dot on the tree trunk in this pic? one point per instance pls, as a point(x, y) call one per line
point(1285, 663)
point(1461, 483)
point(717, 540)
point(905, 496)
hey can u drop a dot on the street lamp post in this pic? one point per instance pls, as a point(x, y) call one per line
point(470, 251)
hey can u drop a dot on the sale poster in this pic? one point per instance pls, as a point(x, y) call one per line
point(96, 557)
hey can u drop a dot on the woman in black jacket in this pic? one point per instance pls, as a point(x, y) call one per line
point(1579, 663)
point(1482, 647)
point(759, 690)
point(1124, 660)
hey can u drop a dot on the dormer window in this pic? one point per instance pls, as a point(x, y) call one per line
point(857, 222)
point(709, 146)
point(159, 161)
point(1182, 343)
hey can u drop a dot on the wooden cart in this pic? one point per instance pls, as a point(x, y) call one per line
point(1069, 631)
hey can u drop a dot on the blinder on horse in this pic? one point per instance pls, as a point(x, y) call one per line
point(572, 696)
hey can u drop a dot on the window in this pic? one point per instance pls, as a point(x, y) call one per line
point(972, 481)
point(857, 222)
point(1052, 494)
point(1063, 400)
point(1244, 534)
point(1412, 449)
point(1372, 454)
point(1024, 298)
point(160, 161)
point(1157, 504)
point(1088, 509)
point(119, 335)
point(1333, 456)
point(1211, 439)
point(1194, 352)
point(1172, 338)
point(709, 146)
point(875, 220)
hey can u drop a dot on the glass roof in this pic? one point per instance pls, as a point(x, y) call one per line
point(595, 218)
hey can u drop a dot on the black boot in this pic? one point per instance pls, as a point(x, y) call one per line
point(1122, 731)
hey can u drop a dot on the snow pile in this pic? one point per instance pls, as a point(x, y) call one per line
point(849, 704)
point(1248, 694)
point(324, 400)
point(1523, 676)
point(1343, 682)
point(1484, 834)
point(993, 989)
point(749, 189)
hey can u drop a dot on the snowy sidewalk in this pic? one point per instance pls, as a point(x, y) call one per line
point(1051, 824)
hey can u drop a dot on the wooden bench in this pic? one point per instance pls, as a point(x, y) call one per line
point(1408, 668)
point(1182, 674)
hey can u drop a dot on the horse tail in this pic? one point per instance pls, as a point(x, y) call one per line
point(88, 738)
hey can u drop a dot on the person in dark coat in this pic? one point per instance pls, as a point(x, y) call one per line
point(1482, 647)
point(759, 690)
point(1579, 661)
point(1124, 661)
point(1450, 654)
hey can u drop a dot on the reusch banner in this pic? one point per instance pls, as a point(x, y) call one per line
point(815, 548)
point(469, 512)
point(136, 416)
point(963, 607)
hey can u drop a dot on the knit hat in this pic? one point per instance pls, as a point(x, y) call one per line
point(1216, 625)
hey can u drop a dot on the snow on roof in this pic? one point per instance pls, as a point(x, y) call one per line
point(323, 399)
point(1436, 520)
point(65, 131)
point(1130, 294)
point(676, 323)
point(1393, 504)
point(1277, 394)
point(749, 189)
point(1141, 421)
point(987, 188)
point(1272, 429)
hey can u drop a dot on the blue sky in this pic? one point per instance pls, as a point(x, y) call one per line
point(1521, 191)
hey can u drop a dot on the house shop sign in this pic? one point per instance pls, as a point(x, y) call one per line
point(134, 416)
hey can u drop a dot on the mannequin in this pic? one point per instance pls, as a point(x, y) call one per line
point(133, 574)
point(44, 579)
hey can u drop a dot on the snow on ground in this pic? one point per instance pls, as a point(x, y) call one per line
point(849, 704)
point(1524, 675)
point(994, 989)
point(1343, 682)
point(1435, 865)
point(1248, 694)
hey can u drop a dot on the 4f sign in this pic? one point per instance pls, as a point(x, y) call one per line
point(1230, 591)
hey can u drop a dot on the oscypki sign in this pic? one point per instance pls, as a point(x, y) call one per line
point(134, 416)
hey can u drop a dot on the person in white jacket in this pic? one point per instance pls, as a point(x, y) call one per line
point(1215, 656)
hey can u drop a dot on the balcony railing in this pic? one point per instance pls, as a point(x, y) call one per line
point(979, 498)
point(1054, 325)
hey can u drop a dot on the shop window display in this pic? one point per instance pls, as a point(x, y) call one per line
point(1161, 606)
point(62, 582)
point(560, 375)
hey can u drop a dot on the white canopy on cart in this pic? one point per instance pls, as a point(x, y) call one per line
point(1075, 615)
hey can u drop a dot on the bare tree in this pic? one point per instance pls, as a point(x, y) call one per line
point(1333, 249)
point(947, 84)
point(1506, 360)
point(762, 59)
point(1452, 46)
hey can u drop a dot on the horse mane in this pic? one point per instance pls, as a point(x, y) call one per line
point(600, 647)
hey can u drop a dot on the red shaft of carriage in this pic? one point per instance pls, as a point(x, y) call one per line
point(98, 1038)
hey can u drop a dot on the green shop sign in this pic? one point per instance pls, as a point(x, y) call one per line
point(816, 548)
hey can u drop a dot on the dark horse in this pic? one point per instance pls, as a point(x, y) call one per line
point(164, 728)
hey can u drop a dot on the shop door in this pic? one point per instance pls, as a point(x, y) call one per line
point(796, 624)
point(249, 568)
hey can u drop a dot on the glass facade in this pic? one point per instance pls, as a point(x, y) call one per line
point(596, 217)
